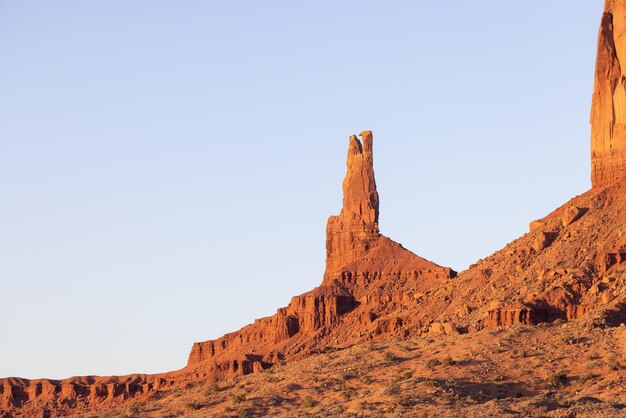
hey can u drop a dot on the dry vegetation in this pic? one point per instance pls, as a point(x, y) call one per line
point(553, 370)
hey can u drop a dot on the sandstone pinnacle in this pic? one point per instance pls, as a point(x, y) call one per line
point(350, 234)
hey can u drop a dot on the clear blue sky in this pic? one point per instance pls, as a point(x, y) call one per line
point(167, 167)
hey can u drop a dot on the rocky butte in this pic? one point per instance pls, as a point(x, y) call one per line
point(570, 267)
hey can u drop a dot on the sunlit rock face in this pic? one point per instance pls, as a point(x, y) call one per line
point(350, 234)
point(608, 117)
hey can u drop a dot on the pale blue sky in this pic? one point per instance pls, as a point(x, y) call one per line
point(167, 167)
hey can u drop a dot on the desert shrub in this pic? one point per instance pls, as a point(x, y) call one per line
point(243, 414)
point(519, 353)
point(367, 380)
point(389, 356)
point(452, 384)
point(290, 387)
point(405, 401)
point(194, 405)
point(448, 361)
point(239, 398)
point(431, 384)
point(403, 375)
point(433, 363)
point(212, 389)
point(309, 402)
point(137, 407)
point(557, 379)
point(567, 339)
point(348, 394)
point(392, 389)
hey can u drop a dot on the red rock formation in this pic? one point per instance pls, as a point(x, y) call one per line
point(352, 233)
point(364, 269)
point(608, 112)
point(571, 263)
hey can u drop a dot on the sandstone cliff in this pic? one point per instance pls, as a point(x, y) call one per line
point(608, 112)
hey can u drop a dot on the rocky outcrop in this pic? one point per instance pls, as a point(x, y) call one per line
point(509, 316)
point(608, 112)
point(364, 271)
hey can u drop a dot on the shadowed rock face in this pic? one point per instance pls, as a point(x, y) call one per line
point(608, 112)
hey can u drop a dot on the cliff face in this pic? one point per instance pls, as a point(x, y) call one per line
point(608, 112)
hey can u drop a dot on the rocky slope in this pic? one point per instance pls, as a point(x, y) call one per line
point(570, 268)
point(560, 370)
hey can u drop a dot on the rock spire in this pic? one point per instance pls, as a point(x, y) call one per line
point(350, 234)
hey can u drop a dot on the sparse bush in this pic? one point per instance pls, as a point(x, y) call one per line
point(392, 389)
point(239, 398)
point(367, 380)
point(273, 400)
point(137, 407)
point(348, 394)
point(616, 366)
point(557, 380)
point(433, 363)
point(431, 384)
point(389, 356)
point(448, 361)
point(452, 384)
point(567, 339)
point(290, 387)
point(519, 353)
point(212, 389)
point(404, 375)
point(309, 402)
point(243, 414)
point(194, 405)
point(405, 401)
